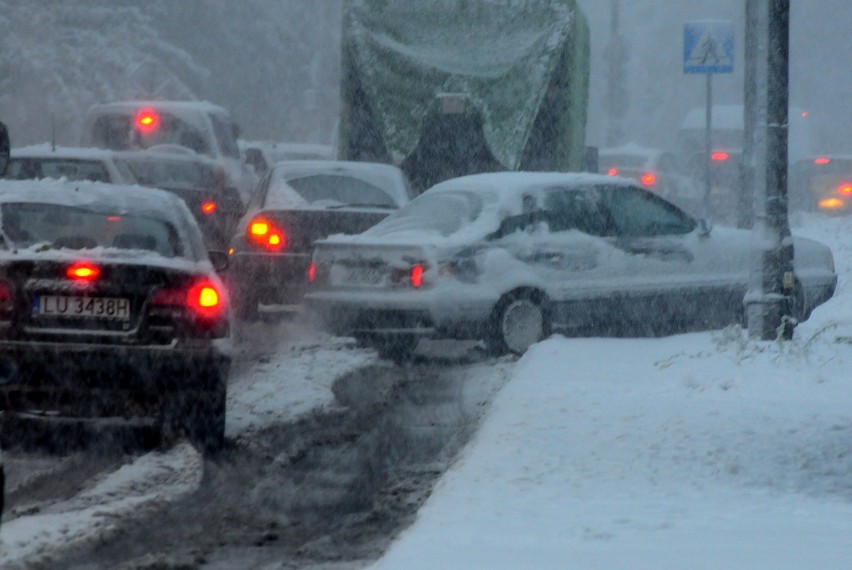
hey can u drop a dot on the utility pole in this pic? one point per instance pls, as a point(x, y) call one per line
point(616, 97)
point(772, 292)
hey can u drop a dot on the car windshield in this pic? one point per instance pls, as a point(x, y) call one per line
point(337, 190)
point(169, 174)
point(58, 226)
point(445, 213)
point(70, 168)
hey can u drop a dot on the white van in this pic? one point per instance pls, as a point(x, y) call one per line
point(188, 126)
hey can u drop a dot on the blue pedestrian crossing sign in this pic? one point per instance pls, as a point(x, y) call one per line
point(708, 46)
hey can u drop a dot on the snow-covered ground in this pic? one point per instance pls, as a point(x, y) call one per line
point(705, 450)
point(289, 372)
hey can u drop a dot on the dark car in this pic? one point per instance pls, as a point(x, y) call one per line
point(297, 203)
point(110, 307)
point(199, 182)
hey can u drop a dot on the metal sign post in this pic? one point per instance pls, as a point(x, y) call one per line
point(708, 47)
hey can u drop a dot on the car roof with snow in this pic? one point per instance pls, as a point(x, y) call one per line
point(47, 150)
point(513, 183)
point(172, 106)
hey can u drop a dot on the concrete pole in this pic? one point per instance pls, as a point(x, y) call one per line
point(769, 302)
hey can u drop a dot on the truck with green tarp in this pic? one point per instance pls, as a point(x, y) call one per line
point(443, 88)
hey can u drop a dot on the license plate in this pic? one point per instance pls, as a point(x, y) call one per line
point(115, 308)
point(365, 275)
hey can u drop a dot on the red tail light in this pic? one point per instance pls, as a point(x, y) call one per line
point(416, 276)
point(6, 300)
point(822, 160)
point(265, 233)
point(208, 207)
point(204, 298)
point(147, 121)
point(649, 179)
point(845, 189)
point(5, 292)
point(83, 271)
point(312, 272)
point(720, 156)
point(612, 172)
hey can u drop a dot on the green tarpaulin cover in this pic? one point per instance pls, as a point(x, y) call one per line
point(523, 65)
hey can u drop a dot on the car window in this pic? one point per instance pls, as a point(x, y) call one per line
point(445, 213)
point(71, 169)
point(169, 173)
point(59, 226)
point(338, 189)
point(224, 131)
point(637, 213)
point(575, 209)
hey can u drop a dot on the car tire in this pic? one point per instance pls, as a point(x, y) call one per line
point(245, 306)
point(199, 414)
point(519, 320)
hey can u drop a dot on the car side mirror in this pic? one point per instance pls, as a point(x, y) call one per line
point(4, 149)
point(704, 227)
point(219, 259)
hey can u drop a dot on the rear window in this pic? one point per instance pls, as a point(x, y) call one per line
point(606, 162)
point(116, 131)
point(445, 213)
point(66, 227)
point(332, 190)
point(71, 169)
point(170, 174)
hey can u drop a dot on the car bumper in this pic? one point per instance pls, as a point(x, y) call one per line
point(418, 313)
point(93, 380)
point(269, 278)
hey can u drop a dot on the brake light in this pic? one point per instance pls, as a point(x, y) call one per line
point(266, 234)
point(719, 156)
point(83, 271)
point(822, 160)
point(147, 121)
point(203, 298)
point(612, 172)
point(831, 204)
point(208, 207)
point(416, 276)
point(649, 179)
point(845, 189)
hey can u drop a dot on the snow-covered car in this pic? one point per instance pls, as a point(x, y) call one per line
point(110, 307)
point(198, 181)
point(200, 126)
point(72, 163)
point(297, 203)
point(656, 170)
point(509, 257)
point(261, 155)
